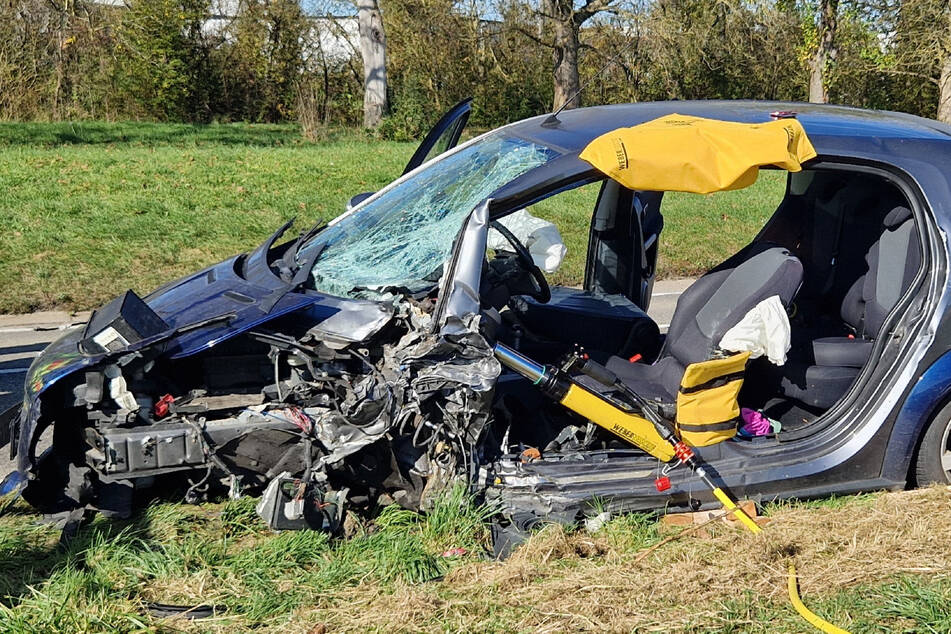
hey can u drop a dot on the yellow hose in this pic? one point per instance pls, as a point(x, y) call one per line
point(738, 513)
point(814, 620)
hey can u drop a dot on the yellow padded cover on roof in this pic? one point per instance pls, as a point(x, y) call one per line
point(693, 154)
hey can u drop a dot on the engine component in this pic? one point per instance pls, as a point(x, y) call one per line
point(173, 446)
point(293, 504)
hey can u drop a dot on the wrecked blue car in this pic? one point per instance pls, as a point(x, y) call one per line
point(354, 364)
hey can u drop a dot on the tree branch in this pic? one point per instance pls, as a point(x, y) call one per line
point(533, 37)
point(907, 73)
point(590, 8)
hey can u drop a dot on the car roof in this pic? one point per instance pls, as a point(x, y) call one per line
point(826, 125)
point(917, 146)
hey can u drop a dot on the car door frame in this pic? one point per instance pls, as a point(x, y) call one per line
point(626, 262)
point(453, 122)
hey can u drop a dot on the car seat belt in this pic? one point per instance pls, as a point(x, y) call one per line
point(834, 259)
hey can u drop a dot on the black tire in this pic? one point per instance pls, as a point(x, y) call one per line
point(933, 463)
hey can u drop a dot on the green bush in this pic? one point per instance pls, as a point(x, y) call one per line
point(164, 59)
point(261, 61)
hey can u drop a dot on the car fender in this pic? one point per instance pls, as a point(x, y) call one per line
point(927, 396)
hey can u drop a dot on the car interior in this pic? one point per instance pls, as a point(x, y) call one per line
point(840, 251)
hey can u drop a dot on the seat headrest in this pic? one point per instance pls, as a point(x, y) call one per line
point(896, 216)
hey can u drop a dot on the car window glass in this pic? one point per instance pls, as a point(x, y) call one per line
point(402, 237)
point(445, 139)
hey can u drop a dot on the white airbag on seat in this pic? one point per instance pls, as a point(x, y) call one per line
point(764, 330)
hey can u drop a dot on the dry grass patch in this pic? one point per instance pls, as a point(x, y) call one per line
point(569, 581)
point(877, 563)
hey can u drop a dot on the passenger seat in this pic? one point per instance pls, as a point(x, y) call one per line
point(828, 369)
point(712, 305)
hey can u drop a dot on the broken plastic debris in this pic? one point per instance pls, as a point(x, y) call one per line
point(530, 454)
point(454, 552)
point(596, 523)
point(294, 510)
point(11, 482)
point(119, 390)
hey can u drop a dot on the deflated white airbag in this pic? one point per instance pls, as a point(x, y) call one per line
point(540, 237)
point(764, 330)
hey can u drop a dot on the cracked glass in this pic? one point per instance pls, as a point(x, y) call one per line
point(400, 239)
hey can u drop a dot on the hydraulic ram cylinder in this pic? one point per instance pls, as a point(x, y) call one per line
point(557, 385)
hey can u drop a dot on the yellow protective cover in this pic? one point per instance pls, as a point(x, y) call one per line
point(707, 409)
point(693, 154)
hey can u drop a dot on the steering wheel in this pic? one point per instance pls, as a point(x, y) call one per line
point(540, 290)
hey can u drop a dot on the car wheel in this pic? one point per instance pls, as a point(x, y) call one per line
point(933, 464)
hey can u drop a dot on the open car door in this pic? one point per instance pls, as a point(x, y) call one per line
point(443, 136)
point(623, 241)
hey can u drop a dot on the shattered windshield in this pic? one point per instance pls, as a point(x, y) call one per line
point(402, 237)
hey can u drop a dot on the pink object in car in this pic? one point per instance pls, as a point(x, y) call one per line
point(755, 424)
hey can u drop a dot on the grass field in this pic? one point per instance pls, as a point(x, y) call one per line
point(88, 210)
point(871, 563)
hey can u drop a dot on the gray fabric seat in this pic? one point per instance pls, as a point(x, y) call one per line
point(830, 364)
point(712, 305)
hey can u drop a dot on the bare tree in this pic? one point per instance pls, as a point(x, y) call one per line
point(928, 23)
point(373, 50)
point(825, 51)
point(917, 46)
point(944, 85)
point(942, 48)
point(564, 21)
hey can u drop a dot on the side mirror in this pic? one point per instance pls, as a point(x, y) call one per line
point(359, 198)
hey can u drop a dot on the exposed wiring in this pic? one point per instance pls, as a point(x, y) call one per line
point(234, 490)
point(193, 491)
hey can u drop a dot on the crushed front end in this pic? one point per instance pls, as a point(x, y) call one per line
point(367, 406)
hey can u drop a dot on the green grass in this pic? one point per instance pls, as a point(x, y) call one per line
point(219, 554)
point(905, 603)
point(90, 209)
point(390, 575)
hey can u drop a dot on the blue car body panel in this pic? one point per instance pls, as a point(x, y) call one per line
point(228, 296)
point(929, 393)
point(243, 292)
point(216, 292)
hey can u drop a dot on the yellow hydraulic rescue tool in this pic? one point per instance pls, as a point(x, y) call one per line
point(638, 422)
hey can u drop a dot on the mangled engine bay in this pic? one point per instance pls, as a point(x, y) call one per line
point(367, 407)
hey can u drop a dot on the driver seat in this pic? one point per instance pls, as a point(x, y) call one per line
point(712, 305)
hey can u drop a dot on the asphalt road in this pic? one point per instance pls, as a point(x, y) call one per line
point(22, 337)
